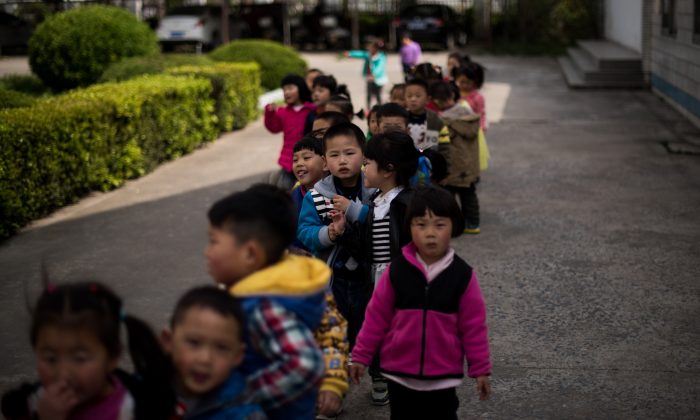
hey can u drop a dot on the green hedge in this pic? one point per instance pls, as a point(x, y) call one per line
point(275, 59)
point(60, 148)
point(236, 87)
point(28, 84)
point(13, 99)
point(129, 68)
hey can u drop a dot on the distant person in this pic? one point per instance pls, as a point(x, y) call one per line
point(342, 103)
point(310, 76)
point(427, 295)
point(411, 54)
point(289, 120)
point(469, 79)
point(454, 61)
point(398, 94)
point(429, 73)
point(373, 69)
point(392, 117)
point(324, 88)
point(373, 122)
point(424, 125)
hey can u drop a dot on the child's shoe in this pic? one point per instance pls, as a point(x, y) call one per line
point(472, 229)
point(380, 391)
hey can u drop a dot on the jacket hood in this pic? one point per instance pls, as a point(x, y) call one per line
point(461, 120)
point(293, 276)
point(326, 187)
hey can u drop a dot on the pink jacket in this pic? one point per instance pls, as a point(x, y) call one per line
point(478, 105)
point(291, 122)
point(426, 330)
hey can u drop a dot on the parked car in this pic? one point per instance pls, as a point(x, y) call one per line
point(435, 24)
point(195, 25)
point(14, 33)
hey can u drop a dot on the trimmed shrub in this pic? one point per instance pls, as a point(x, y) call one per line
point(235, 89)
point(28, 84)
point(13, 99)
point(275, 59)
point(57, 150)
point(129, 68)
point(74, 48)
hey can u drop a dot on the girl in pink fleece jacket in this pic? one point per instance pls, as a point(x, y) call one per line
point(290, 120)
point(426, 316)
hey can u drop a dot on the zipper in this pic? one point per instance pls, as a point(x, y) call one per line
point(423, 338)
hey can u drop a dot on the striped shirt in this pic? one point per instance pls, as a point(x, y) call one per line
point(381, 241)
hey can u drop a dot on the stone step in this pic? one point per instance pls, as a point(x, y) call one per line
point(607, 55)
point(590, 72)
point(577, 79)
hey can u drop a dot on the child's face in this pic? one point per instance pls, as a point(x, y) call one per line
point(343, 158)
point(75, 360)
point(373, 124)
point(398, 96)
point(416, 98)
point(228, 260)
point(320, 95)
point(308, 167)
point(319, 127)
point(291, 94)
point(464, 84)
point(431, 234)
point(387, 124)
point(374, 177)
point(310, 79)
point(205, 346)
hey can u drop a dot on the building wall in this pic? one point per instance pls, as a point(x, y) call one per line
point(623, 22)
point(675, 61)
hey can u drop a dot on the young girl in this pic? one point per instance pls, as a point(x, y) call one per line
point(391, 160)
point(289, 119)
point(324, 88)
point(426, 315)
point(469, 79)
point(374, 69)
point(373, 122)
point(75, 335)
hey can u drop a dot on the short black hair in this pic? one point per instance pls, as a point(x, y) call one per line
point(443, 91)
point(438, 164)
point(427, 72)
point(373, 110)
point(309, 143)
point(440, 202)
point(345, 129)
point(472, 71)
point(391, 109)
point(394, 151)
point(326, 81)
point(300, 83)
point(333, 117)
point(263, 213)
point(418, 82)
point(209, 297)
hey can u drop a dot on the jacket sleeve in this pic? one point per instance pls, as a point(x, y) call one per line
point(472, 325)
point(310, 231)
point(295, 361)
point(332, 337)
point(378, 317)
point(357, 212)
point(273, 121)
point(358, 54)
point(379, 67)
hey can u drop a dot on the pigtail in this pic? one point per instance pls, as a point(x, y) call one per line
point(343, 90)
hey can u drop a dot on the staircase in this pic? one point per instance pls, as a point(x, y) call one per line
point(602, 64)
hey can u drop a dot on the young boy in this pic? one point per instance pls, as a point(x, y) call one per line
point(343, 190)
point(462, 151)
point(282, 297)
point(205, 342)
point(326, 120)
point(392, 117)
point(424, 125)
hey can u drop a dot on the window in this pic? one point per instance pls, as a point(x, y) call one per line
point(696, 22)
point(668, 17)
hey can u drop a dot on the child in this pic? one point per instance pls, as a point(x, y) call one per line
point(289, 119)
point(430, 74)
point(397, 94)
point(426, 316)
point(454, 61)
point(462, 152)
point(373, 69)
point(392, 117)
point(411, 54)
point(309, 168)
point(309, 77)
point(326, 120)
point(372, 122)
point(469, 79)
point(424, 125)
point(324, 88)
point(75, 333)
point(205, 342)
point(342, 190)
point(343, 104)
point(282, 297)
point(391, 161)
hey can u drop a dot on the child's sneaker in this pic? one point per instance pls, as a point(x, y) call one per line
point(472, 229)
point(380, 391)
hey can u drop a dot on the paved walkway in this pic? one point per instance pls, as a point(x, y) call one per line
point(589, 257)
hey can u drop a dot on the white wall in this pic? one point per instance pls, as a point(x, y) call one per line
point(623, 22)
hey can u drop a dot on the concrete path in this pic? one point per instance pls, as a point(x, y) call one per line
point(589, 258)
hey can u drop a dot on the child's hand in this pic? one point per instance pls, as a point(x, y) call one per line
point(272, 107)
point(357, 370)
point(57, 402)
point(328, 403)
point(483, 386)
point(338, 224)
point(341, 203)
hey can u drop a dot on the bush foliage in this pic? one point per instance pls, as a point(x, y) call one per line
point(55, 151)
point(131, 67)
point(235, 90)
point(275, 59)
point(73, 48)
